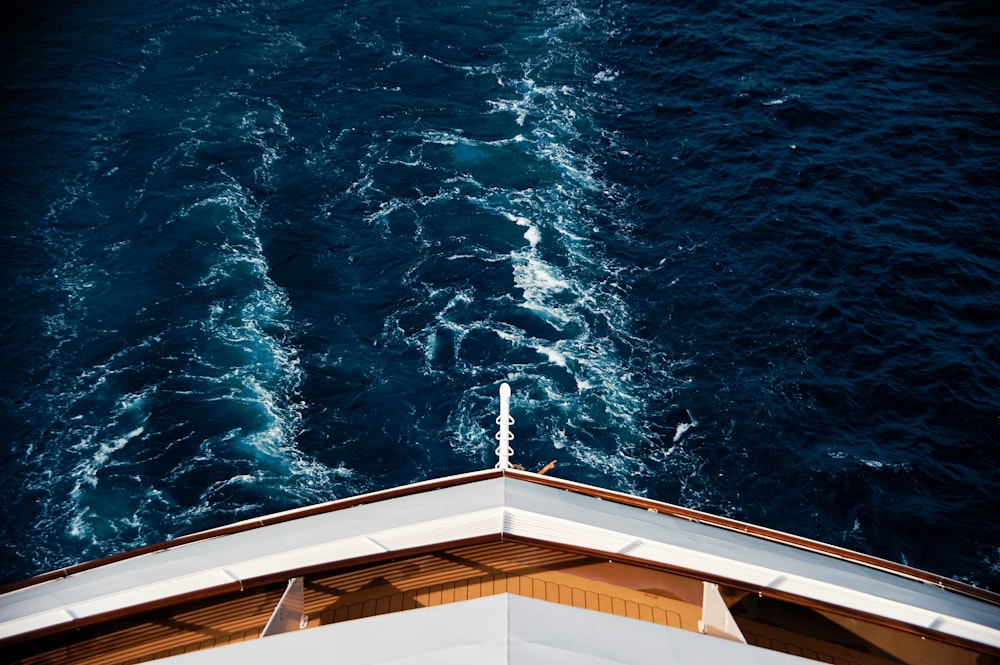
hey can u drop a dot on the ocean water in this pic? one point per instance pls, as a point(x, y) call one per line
point(742, 257)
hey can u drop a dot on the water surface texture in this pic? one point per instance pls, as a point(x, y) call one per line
point(740, 257)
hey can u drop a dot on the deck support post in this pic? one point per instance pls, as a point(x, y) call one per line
point(289, 614)
point(716, 619)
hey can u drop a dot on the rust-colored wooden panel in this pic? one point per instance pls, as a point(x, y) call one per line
point(448, 592)
point(355, 611)
point(645, 612)
point(382, 605)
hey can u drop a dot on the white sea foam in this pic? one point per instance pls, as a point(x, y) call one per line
point(682, 428)
point(533, 235)
point(605, 75)
point(539, 280)
point(554, 355)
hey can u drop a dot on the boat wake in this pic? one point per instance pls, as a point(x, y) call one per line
point(505, 277)
point(172, 395)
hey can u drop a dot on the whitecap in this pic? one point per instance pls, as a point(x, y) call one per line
point(533, 236)
point(554, 356)
point(605, 75)
point(682, 428)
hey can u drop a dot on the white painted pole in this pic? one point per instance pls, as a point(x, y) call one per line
point(504, 436)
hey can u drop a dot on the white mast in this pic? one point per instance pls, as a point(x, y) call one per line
point(504, 436)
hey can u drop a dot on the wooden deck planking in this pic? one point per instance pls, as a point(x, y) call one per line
point(627, 603)
point(159, 635)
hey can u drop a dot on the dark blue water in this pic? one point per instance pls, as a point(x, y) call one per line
point(737, 257)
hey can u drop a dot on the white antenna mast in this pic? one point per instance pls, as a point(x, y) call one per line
point(504, 436)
